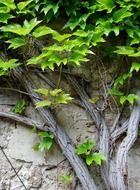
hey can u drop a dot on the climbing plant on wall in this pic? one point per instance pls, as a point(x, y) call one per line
point(89, 24)
point(29, 39)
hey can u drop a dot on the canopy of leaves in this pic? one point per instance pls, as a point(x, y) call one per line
point(87, 24)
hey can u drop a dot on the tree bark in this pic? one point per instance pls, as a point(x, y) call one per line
point(102, 128)
point(126, 144)
point(61, 137)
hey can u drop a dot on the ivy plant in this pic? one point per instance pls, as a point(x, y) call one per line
point(86, 149)
point(6, 66)
point(66, 178)
point(46, 141)
point(53, 97)
point(19, 107)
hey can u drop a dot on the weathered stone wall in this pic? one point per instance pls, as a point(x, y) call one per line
point(38, 170)
point(42, 170)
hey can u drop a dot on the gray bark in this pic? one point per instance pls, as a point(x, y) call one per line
point(61, 137)
point(101, 127)
point(126, 144)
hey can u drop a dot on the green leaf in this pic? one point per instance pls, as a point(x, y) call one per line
point(137, 54)
point(98, 158)
point(52, 6)
point(6, 66)
point(123, 99)
point(19, 107)
point(4, 17)
point(4, 9)
point(85, 148)
point(23, 4)
point(55, 92)
point(89, 159)
point(42, 31)
point(66, 178)
point(21, 30)
point(9, 3)
point(115, 92)
point(55, 47)
point(16, 42)
point(55, 59)
point(34, 129)
point(44, 103)
point(63, 98)
point(119, 15)
point(135, 67)
point(72, 23)
point(131, 98)
point(116, 30)
point(35, 147)
point(120, 80)
point(59, 37)
point(97, 38)
point(124, 50)
point(29, 26)
point(45, 134)
point(45, 144)
point(95, 157)
point(106, 4)
point(42, 91)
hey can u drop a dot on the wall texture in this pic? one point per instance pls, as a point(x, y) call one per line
point(43, 170)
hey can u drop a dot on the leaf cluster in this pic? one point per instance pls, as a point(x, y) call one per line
point(19, 107)
point(86, 149)
point(52, 97)
point(46, 141)
point(87, 24)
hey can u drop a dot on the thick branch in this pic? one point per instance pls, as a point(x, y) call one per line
point(124, 148)
point(61, 137)
point(100, 124)
point(21, 119)
point(119, 131)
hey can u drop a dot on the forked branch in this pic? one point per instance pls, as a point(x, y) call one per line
point(61, 137)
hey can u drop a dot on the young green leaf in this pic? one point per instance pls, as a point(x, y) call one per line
point(63, 98)
point(21, 30)
point(106, 4)
point(123, 99)
point(9, 3)
point(98, 158)
point(23, 4)
point(125, 50)
point(35, 147)
point(85, 148)
point(42, 31)
point(135, 67)
point(16, 42)
point(19, 107)
point(45, 134)
point(44, 103)
point(42, 91)
point(51, 6)
point(4, 17)
point(55, 92)
point(66, 178)
point(6, 66)
point(119, 15)
point(45, 144)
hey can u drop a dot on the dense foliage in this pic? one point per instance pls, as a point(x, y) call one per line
point(56, 34)
point(87, 24)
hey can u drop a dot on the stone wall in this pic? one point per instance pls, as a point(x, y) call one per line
point(43, 170)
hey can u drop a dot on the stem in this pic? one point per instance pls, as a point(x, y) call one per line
point(60, 75)
point(61, 137)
